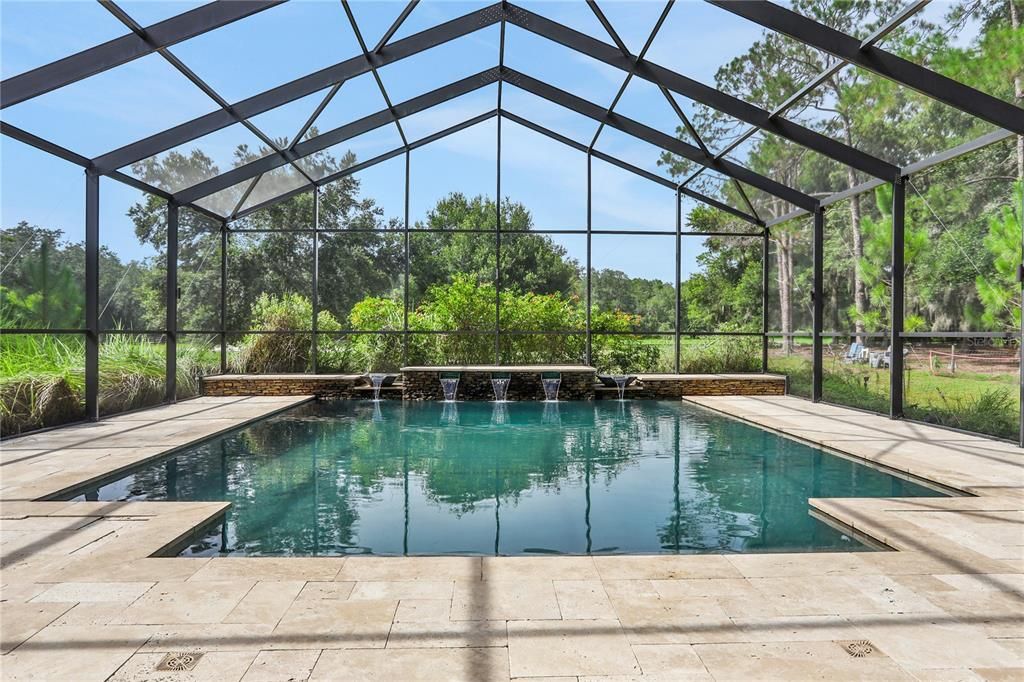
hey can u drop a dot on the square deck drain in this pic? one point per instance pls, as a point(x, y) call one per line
point(180, 660)
point(858, 648)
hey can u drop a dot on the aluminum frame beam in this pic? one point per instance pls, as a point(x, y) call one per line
point(817, 305)
point(128, 47)
point(579, 146)
point(171, 304)
point(896, 312)
point(373, 67)
point(397, 24)
point(683, 118)
point(697, 91)
point(469, 84)
point(879, 61)
point(92, 295)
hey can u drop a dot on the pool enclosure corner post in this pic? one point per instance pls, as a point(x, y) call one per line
point(497, 239)
point(679, 274)
point(497, 202)
point(315, 299)
point(764, 300)
point(817, 302)
point(171, 345)
point(405, 274)
point(899, 193)
point(92, 295)
point(223, 297)
point(589, 357)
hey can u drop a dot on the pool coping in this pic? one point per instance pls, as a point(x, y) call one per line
point(68, 595)
point(846, 515)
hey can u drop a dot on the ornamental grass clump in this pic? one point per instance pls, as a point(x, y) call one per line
point(42, 381)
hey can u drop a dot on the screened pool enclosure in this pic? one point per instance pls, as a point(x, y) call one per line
point(806, 188)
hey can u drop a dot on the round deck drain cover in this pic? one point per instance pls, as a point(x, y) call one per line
point(181, 660)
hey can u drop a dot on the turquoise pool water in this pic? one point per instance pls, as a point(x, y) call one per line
point(515, 478)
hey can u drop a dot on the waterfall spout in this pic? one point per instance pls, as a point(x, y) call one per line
point(377, 380)
point(499, 382)
point(450, 387)
point(551, 384)
point(620, 383)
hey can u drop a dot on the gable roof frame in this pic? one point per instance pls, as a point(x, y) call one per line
point(770, 16)
point(503, 113)
point(434, 97)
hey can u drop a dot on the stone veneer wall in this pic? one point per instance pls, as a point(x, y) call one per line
point(476, 385)
point(324, 385)
point(671, 387)
point(423, 384)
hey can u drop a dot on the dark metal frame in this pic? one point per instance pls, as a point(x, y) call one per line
point(160, 37)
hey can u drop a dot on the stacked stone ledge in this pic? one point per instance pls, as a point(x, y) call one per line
point(423, 383)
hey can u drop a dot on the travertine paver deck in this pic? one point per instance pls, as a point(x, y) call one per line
point(84, 599)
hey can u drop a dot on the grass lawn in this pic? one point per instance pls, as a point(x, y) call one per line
point(984, 403)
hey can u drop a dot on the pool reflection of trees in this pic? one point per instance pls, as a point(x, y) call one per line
point(301, 483)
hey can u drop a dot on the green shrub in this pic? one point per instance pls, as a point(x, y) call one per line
point(541, 312)
point(269, 353)
point(621, 353)
point(465, 305)
point(376, 352)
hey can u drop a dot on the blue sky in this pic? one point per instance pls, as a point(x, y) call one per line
point(147, 95)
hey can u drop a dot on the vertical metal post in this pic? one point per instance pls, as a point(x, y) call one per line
point(817, 300)
point(314, 352)
point(171, 345)
point(92, 295)
point(405, 311)
point(497, 222)
point(679, 273)
point(223, 297)
point(590, 239)
point(899, 193)
point(765, 263)
point(497, 249)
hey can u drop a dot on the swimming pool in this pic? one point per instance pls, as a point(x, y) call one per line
point(601, 477)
